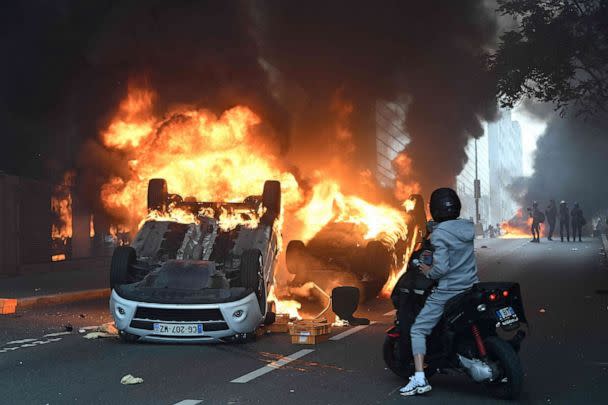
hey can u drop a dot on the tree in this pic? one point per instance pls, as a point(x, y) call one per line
point(557, 52)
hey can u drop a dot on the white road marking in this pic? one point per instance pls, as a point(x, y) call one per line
point(272, 366)
point(30, 343)
point(350, 332)
point(189, 402)
point(57, 334)
point(18, 342)
point(391, 313)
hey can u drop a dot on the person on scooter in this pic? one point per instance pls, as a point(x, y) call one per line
point(453, 266)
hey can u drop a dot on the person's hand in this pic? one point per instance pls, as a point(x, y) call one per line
point(425, 269)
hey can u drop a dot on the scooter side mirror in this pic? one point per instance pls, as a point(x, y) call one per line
point(344, 303)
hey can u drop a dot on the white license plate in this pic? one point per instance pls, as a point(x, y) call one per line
point(505, 314)
point(178, 329)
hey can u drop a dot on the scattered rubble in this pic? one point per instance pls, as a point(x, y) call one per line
point(107, 330)
point(309, 332)
point(130, 380)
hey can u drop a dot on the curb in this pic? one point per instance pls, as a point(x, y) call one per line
point(605, 243)
point(11, 305)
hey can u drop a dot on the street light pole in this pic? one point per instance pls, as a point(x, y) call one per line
point(477, 188)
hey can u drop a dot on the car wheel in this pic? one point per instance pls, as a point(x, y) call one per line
point(271, 201)
point(378, 260)
point(127, 337)
point(251, 275)
point(295, 255)
point(157, 194)
point(120, 269)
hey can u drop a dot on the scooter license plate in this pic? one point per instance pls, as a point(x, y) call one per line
point(506, 316)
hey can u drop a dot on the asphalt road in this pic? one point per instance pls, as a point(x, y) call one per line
point(565, 357)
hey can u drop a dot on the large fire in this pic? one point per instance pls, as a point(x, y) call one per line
point(518, 227)
point(61, 206)
point(220, 158)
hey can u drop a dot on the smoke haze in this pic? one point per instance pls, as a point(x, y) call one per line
point(570, 164)
point(312, 70)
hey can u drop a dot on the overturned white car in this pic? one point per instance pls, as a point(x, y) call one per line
point(197, 281)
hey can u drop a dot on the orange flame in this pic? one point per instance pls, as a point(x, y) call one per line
point(61, 205)
point(91, 226)
point(218, 158)
point(518, 227)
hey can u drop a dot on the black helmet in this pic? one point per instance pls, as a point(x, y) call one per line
point(444, 205)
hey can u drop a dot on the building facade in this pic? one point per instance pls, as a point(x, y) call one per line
point(496, 159)
point(506, 164)
point(499, 162)
point(477, 166)
point(391, 139)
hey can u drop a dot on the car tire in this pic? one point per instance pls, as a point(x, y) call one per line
point(270, 318)
point(251, 277)
point(127, 337)
point(157, 195)
point(271, 201)
point(120, 269)
point(378, 260)
point(295, 255)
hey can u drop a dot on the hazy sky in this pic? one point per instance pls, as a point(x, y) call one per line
point(531, 129)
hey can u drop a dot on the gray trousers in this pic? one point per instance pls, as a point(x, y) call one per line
point(428, 317)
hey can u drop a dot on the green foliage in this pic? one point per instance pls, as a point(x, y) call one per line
point(557, 52)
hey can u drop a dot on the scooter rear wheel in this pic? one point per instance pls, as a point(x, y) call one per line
point(509, 383)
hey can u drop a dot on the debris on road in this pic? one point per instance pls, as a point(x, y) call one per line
point(574, 249)
point(340, 323)
point(542, 310)
point(309, 332)
point(130, 380)
point(280, 325)
point(107, 330)
point(484, 247)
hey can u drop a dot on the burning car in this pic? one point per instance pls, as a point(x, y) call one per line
point(341, 254)
point(204, 276)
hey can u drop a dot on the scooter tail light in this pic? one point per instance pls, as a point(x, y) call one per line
point(492, 297)
point(505, 293)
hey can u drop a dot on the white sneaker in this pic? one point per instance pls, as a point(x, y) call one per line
point(415, 386)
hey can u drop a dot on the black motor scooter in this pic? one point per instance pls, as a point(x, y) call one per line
point(466, 338)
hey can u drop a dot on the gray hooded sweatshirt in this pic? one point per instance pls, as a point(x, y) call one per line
point(454, 262)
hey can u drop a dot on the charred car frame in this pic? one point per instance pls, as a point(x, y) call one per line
point(197, 281)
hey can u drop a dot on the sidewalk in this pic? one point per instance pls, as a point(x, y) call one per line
point(90, 280)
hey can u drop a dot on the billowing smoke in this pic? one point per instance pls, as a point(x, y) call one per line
point(430, 53)
point(570, 164)
point(307, 68)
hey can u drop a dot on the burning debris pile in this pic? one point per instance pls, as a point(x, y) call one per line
point(519, 227)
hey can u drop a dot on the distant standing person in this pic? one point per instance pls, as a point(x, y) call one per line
point(537, 218)
point(578, 221)
point(551, 214)
point(564, 220)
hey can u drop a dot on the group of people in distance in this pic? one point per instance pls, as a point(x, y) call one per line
point(568, 219)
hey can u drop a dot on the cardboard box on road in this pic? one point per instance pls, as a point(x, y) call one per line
point(309, 332)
